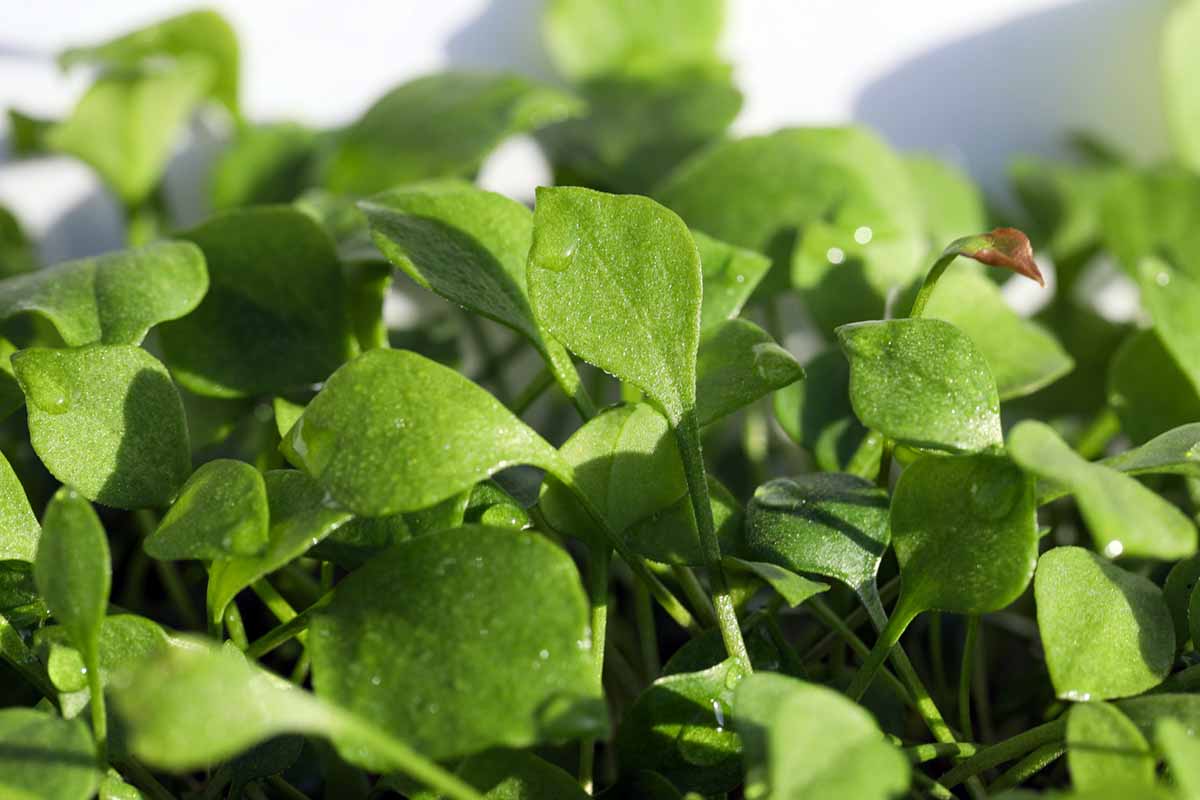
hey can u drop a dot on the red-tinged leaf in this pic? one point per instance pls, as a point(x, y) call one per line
point(1007, 248)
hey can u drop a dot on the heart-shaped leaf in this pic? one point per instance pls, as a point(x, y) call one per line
point(438, 126)
point(43, 757)
point(847, 755)
point(274, 317)
point(518, 775)
point(107, 420)
point(415, 642)
point(682, 728)
point(731, 274)
point(1105, 749)
point(1107, 632)
point(922, 382)
point(737, 364)
point(1147, 388)
point(221, 511)
point(393, 431)
point(19, 529)
point(1124, 517)
point(300, 518)
point(114, 298)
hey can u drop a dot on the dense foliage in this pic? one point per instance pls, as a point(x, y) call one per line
point(727, 470)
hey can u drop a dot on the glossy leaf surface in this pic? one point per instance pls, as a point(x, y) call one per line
point(221, 511)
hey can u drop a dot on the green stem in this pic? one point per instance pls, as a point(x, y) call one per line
point(286, 789)
point(883, 478)
point(693, 590)
point(1027, 767)
point(532, 391)
point(788, 654)
point(567, 377)
point(292, 628)
point(888, 639)
point(931, 279)
point(598, 596)
point(937, 655)
point(965, 677)
point(835, 623)
point(919, 754)
point(1008, 750)
point(866, 457)
point(141, 777)
point(647, 635)
point(173, 583)
point(1094, 439)
point(855, 619)
point(932, 787)
point(233, 624)
point(687, 433)
point(273, 600)
point(95, 682)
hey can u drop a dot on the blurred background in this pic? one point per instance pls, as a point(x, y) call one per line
point(974, 83)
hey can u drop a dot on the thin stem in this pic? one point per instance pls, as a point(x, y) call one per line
point(294, 627)
point(647, 635)
point(1094, 439)
point(935, 789)
point(563, 368)
point(598, 596)
point(865, 460)
point(888, 639)
point(855, 619)
point(1027, 767)
point(273, 600)
point(937, 655)
point(835, 623)
point(532, 391)
point(286, 789)
point(693, 590)
point(172, 581)
point(883, 478)
point(965, 676)
point(919, 754)
point(931, 279)
point(141, 777)
point(95, 684)
point(1008, 750)
point(791, 659)
point(233, 624)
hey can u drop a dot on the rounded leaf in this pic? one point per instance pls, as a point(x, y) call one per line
point(43, 757)
point(1105, 749)
point(221, 511)
point(19, 529)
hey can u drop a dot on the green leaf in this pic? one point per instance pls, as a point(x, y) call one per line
point(107, 420)
point(393, 431)
point(17, 254)
point(1124, 517)
point(829, 524)
point(1176, 452)
point(114, 298)
point(972, 517)
point(588, 39)
point(286, 414)
point(19, 530)
point(127, 124)
point(1171, 295)
point(845, 752)
point(73, 571)
point(274, 317)
point(1022, 356)
point(518, 775)
point(1181, 751)
point(922, 382)
point(1149, 213)
point(1105, 749)
point(263, 164)
point(438, 126)
point(670, 536)
point(1147, 711)
point(1147, 388)
point(1194, 616)
point(731, 275)
point(793, 588)
point(114, 787)
point(1180, 32)
point(737, 364)
point(816, 413)
point(1177, 591)
point(1106, 632)
point(43, 757)
point(637, 128)
point(20, 602)
point(221, 511)
point(300, 518)
point(201, 35)
point(418, 642)
point(681, 728)
point(760, 192)
point(1065, 204)
point(951, 204)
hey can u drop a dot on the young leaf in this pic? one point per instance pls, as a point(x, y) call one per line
point(274, 317)
point(737, 364)
point(470, 639)
point(107, 420)
point(393, 431)
point(1022, 356)
point(1107, 632)
point(469, 246)
point(817, 415)
point(126, 125)
point(221, 511)
point(300, 518)
point(43, 757)
point(922, 382)
point(114, 298)
point(834, 525)
point(1124, 517)
point(202, 35)
point(438, 126)
point(590, 39)
point(1105, 749)
point(518, 775)
point(793, 588)
point(681, 728)
point(731, 274)
point(1148, 389)
point(670, 536)
point(19, 529)
point(1180, 32)
point(846, 754)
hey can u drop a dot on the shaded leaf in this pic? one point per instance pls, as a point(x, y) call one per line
point(19, 529)
point(20, 603)
point(816, 413)
point(737, 364)
point(221, 511)
point(951, 204)
point(1147, 388)
point(1171, 295)
point(1105, 749)
point(1177, 591)
point(793, 588)
point(263, 164)
point(43, 757)
point(518, 775)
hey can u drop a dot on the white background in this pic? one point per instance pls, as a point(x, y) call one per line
point(974, 81)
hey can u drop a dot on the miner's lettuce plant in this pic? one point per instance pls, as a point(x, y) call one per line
point(725, 469)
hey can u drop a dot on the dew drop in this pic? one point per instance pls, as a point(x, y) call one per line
point(543, 654)
point(46, 393)
point(1162, 278)
point(863, 234)
point(376, 680)
point(835, 255)
point(1114, 548)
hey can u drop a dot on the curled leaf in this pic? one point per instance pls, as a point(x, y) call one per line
point(1006, 248)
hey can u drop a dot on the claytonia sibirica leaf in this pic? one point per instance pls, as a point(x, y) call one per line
point(1105, 749)
point(518, 775)
point(922, 382)
point(1176, 452)
point(817, 415)
point(731, 274)
point(438, 126)
point(1124, 517)
point(221, 511)
point(114, 298)
point(416, 643)
point(16, 251)
point(393, 431)
point(43, 757)
point(1107, 632)
point(107, 420)
point(300, 518)
point(20, 602)
point(834, 525)
point(847, 754)
point(469, 246)
point(19, 529)
point(1148, 389)
point(1171, 295)
point(793, 588)
point(737, 364)
point(274, 316)
point(670, 536)
point(682, 728)
point(126, 125)
point(1179, 61)
point(1181, 751)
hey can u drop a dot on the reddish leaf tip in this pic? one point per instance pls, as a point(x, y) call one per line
point(1007, 248)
